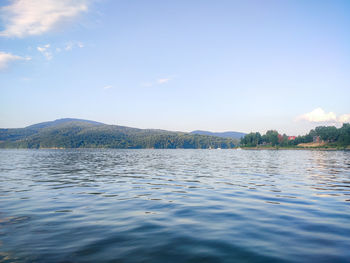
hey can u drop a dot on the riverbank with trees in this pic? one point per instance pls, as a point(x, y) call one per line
point(322, 137)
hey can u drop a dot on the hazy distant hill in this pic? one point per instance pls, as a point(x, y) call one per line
point(60, 121)
point(228, 134)
point(76, 133)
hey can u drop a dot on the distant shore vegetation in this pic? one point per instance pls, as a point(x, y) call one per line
point(321, 137)
point(76, 133)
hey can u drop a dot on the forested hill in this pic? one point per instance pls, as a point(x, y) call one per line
point(76, 133)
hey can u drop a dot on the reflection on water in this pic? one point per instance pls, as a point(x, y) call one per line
point(174, 206)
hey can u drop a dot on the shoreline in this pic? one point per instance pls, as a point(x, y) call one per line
point(235, 148)
point(299, 148)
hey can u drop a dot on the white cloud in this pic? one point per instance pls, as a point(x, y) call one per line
point(107, 87)
point(344, 118)
point(45, 50)
point(69, 46)
point(162, 81)
point(319, 115)
point(6, 58)
point(159, 81)
point(34, 17)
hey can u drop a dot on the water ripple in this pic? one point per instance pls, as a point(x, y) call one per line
point(174, 206)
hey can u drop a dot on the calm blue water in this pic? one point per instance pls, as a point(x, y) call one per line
point(174, 206)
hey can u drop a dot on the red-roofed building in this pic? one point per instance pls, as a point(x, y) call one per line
point(290, 138)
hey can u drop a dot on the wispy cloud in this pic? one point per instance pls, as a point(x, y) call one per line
point(107, 87)
point(70, 45)
point(318, 115)
point(159, 81)
point(45, 50)
point(34, 17)
point(163, 80)
point(7, 58)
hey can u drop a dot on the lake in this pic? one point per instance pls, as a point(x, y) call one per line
point(93, 205)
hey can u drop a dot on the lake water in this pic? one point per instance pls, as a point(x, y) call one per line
point(174, 206)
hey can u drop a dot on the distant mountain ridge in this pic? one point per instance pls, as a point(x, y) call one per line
point(60, 121)
point(228, 134)
point(78, 133)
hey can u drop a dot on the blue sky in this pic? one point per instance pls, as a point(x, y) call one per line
point(176, 65)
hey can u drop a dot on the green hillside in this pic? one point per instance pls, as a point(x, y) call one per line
point(75, 133)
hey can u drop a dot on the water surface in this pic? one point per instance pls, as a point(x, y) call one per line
point(174, 206)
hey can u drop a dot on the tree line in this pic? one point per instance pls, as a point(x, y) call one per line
point(331, 135)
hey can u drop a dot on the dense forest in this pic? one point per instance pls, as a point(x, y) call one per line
point(330, 135)
point(73, 133)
